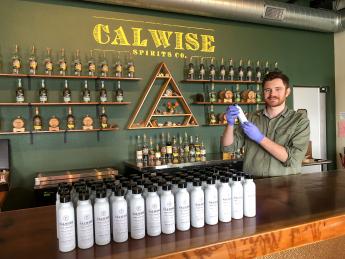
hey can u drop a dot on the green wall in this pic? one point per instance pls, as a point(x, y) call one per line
point(307, 57)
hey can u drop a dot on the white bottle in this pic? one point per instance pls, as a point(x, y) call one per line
point(197, 205)
point(236, 198)
point(137, 214)
point(153, 212)
point(102, 218)
point(182, 207)
point(119, 216)
point(128, 199)
point(211, 202)
point(160, 187)
point(84, 221)
point(224, 200)
point(189, 184)
point(217, 178)
point(204, 182)
point(167, 210)
point(249, 197)
point(66, 222)
point(174, 187)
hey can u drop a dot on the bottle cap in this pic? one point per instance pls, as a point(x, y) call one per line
point(211, 180)
point(152, 188)
point(166, 187)
point(182, 184)
point(83, 196)
point(161, 182)
point(100, 193)
point(137, 190)
point(125, 184)
point(154, 179)
point(196, 182)
point(140, 182)
point(216, 176)
point(147, 184)
point(190, 178)
point(64, 198)
point(119, 192)
point(132, 185)
point(236, 178)
point(176, 180)
point(115, 187)
point(123, 178)
point(169, 178)
point(248, 176)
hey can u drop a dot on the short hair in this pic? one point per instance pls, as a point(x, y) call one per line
point(274, 75)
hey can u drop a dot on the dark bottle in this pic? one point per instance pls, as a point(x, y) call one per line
point(163, 146)
point(169, 147)
point(66, 93)
point(103, 97)
point(37, 120)
point(20, 98)
point(202, 70)
point(175, 148)
point(43, 92)
point(222, 70)
point(70, 120)
point(130, 67)
point(249, 71)
point(240, 71)
point(190, 72)
point(145, 149)
point(119, 93)
point(103, 119)
point(231, 70)
point(212, 70)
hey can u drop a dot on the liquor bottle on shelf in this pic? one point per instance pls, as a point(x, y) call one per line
point(197, 147)
point(240, 71)
point(258, 94)
point(62, 63)
point(267, 68)
point(276, 69)
point(249, 71)
point(130, 67)
point(103, 97)
point(237, 94)
point(191, 147)
point(86, 93)
point(139, 151)
point(231, 70)
point(151, 150)
point(202, 70)
point(118, 67)
point(145, 149)
point(222, 70)
point(258, 72)
point(169, 147)
point(103, 119)
point(91, 65)
point(70, 119)
point(212, 94)
point(163, 146)
point(119, 92)
point(190, 72)
point(180, 147)
point(202, 150)
point(211, 71)
point(175, 148)
point(20, 97)
point(48, 64)
point(212, 116)
point(37, 120)
point(16, 62)
point(158, 152)
point(104, 66)
point(66, 93)
point(43, 92)
point(77, 64)
point(33, 62)
point(186, 145)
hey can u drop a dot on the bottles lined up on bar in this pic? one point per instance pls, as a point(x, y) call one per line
point(172, 149)
point(98, 211)
point(121, 68)
point(67, 93)
point(231, 72)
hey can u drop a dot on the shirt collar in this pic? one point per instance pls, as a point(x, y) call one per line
point(284, 113)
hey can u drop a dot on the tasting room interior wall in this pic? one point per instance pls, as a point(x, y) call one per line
point(307, 57)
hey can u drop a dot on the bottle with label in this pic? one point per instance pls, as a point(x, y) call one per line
point(240, 71)
point(66, 93)
point(212, 94)
point(211, 202)
point(197, 205)
point(258, 94)
point(249, 197)
point(191, 147)
point(182, 207)
point(120, 216)
point(91, 65)
point(169, 147)
point(224, 200)
point(128, 198)
point(249, 72)
point(139, 151)
point(37, 120)
point(20, 98)
point(119, 92)
point(231, 70)
point(137, 214)
point(222, 70)
point(43, 92)
point(236, 198)
point(33, 62)
point(16, 62)
point(62, 189)
point(86, 94)
point(202, 70)
point(237, 94)
point(103, 119)
point(103, 97)
point(175, 148)
point(190, 72)
point(153, 212)
point(77, 66)
point(267, 68)
point(130, 67)
point(189, 180)
point(118, 67)
point(48, 63)
point(157, 153)
point(197, 147)
point(70, 119)
point(276, 69)
point(180, 147)
point(161, 183)
point(174, 187)
point(212, 71)
point(145, 149)
point(104, 66)
point(163, 146)
point(84, 221)
point(186, 145)
point(66, 222)
point(202, 150)
point(102, 218)
point(62, 63)
point(258, 72)
point(151, 150)
point(167, 210)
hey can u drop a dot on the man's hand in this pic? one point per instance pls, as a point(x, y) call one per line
point(252, 132)
point(231, 114)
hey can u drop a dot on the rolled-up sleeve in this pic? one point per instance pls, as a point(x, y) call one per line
point(238, 140)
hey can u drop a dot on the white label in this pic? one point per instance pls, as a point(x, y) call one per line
point(197, 208)
point(102, 224)
point(137, 214)
point(182, 211)
point(120, 224)
point(119, 98)
point(86, 99)
point(67, 99)
point(20, 99)
point(224, 199)
point(103, 99)
point(237, 200)
point(211, 206)
point(139, 154)
point(43, 98)
point(153, 214)
point(66, 229)
point(85, 227)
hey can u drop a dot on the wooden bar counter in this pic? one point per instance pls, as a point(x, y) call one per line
point(291, 211)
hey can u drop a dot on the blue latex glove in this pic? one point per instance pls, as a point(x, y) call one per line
point(231, 114)
point(252, 132)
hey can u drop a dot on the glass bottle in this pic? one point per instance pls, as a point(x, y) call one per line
point(130, 67)
point(158, 152)
point(163, 146)
point(258, 94)
point(77, 64)
point(104, 66)
point(151, 150)
point(16, 62)
point(103, 119)
point(191, 147)
point(237, 94)
point(213, 94)
point(43, 92)
point(119, 92)
point(240, 71)
point(231, 70)
point(197, 147)
point(62, 63)
point(222, 71)
point(249, 71)
point(20, 98)
point(186, 145)
point(190, 72)
point(212, 116)
point(175, 149)
point(86, 93)
point(70, 119)
point(181, 149)
point(48, 64)
point(103, 97)
point(91, 65)
point(118, 67)
point(66, 93)
point(33, 62)
point(202, 70)
point(212, 71)
point(139, 150)
point(258, 72)
point(202, 150)
point(37, 120)
point(267, 68)
point(169, 147)
point(145, 149)
point(276, 69)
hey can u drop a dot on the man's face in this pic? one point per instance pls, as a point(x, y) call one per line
point(275, 92)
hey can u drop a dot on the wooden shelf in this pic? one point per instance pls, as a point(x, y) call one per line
point(221, 103)
point(220, 81)
point(13, 133)
point(172, 97)
point(163, 77)
point(171, 115)
point(165, 127)
point(14, 104)
point(62, 77)
point(214, 125)
point(14, 75)
point(59, 131)
point(114, 103)
point(119, 78)
point(64, 104)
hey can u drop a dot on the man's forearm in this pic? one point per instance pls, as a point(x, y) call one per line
point(228, 135)
point(276, 150)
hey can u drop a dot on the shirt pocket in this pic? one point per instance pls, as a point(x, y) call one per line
point(283, 135)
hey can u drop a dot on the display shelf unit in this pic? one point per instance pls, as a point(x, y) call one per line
point(220, 81)
point(222, 103)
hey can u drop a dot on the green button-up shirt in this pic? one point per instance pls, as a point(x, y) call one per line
point(289, 129)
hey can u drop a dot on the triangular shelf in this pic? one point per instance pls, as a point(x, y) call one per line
point(150, 122)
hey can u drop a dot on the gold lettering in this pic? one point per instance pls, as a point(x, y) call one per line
point(161, 37)
point(120, 38)
point(206, 43)
point(192, 41)
point(179, 40)
point(136, 38)
point(98, 31)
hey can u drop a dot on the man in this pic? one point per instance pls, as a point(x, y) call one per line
point(276, 138)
